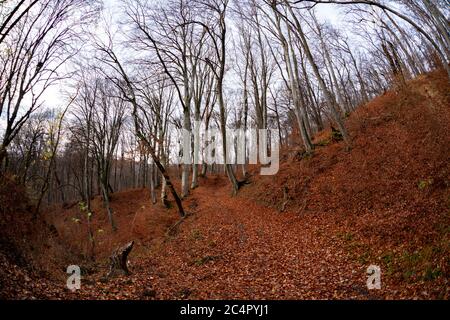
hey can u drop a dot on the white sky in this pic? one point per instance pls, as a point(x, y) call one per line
point(328, 12)
point(54, 97)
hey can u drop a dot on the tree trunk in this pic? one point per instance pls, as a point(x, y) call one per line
point(118, 260)
point(293, 85)
point(328, 95)
point(196, 147)
point(186, 155)
point(108, 207)
point(152, 183)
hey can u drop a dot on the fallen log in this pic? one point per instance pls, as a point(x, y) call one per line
point(118, 260)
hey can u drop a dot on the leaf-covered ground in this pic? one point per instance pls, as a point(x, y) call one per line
point(309, 232)
point(232, 248)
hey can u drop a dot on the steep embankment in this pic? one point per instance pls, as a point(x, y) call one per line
point(31, 255)
point(388, 198)
point(309, 232)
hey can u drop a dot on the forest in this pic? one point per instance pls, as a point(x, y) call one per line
point(224, 149)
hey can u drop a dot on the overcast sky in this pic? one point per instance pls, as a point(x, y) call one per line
point(53, 97)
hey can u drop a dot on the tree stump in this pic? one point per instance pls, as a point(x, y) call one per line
point(118, 260)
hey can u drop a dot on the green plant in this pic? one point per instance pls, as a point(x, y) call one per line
point(411, 258)
point(408, 274)
point(323, 143)
point(348, 236)
point(76, 220)
point(212, 243)
point(196, 235)
point(422, 184)
point(203, 260)
point(387, 258)
point(83, 207)
point(364, 258)
point(432, 273)
point(336, 135)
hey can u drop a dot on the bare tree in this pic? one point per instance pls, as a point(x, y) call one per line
point(36, 40)
point(177, 46)
point(213, 19)
point(445, 59)
point(127, 88)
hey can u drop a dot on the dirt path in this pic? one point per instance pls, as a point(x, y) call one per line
point(234, 248)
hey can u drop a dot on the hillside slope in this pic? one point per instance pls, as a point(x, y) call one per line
point(310, 232)
point(390, 194)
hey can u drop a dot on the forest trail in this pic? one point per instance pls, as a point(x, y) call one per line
point(232, 248)
point(283, 255)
